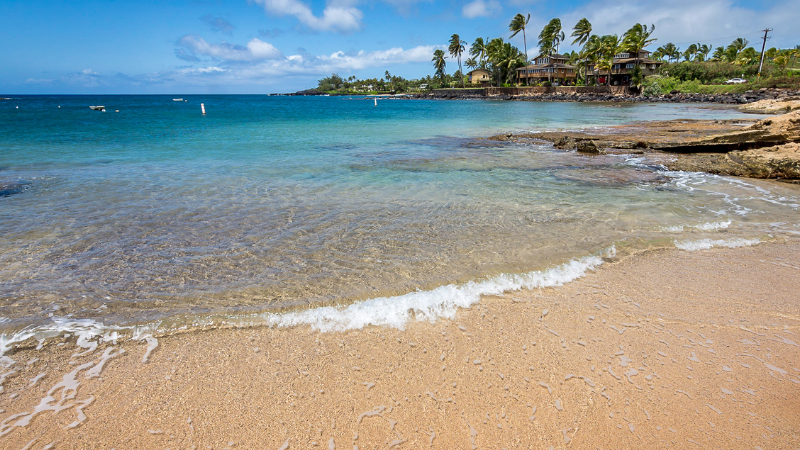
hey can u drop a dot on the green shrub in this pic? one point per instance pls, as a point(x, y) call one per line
point(547, 84)
point(652, 90)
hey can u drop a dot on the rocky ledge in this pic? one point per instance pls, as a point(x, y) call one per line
point(746, 98)
point(768, 148)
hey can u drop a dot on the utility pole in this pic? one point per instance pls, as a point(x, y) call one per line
point(763, 46)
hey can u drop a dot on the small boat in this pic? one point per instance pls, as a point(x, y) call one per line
point(177, 99)
point(97, 108)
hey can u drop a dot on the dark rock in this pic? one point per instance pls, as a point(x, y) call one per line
point(563, 143)
point(589, 147)
point(9, 188)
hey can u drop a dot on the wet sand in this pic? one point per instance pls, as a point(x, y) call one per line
point(663, 349)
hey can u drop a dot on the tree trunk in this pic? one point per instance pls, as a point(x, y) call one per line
point(525, 43)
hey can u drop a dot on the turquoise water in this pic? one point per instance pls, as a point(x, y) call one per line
point(157, 212)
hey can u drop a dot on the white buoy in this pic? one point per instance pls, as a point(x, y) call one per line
point(117, 111)
point(203, 108)
point(376, 102)
point(59, 106)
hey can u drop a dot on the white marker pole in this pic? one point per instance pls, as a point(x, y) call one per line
point(203, 108)
point(376, 102)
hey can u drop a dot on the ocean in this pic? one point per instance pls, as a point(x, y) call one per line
point(329, 210)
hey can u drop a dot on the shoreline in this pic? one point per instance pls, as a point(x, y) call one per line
point(659, 349)
point(602, 94)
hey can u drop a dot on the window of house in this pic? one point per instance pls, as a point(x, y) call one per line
point(629, 66)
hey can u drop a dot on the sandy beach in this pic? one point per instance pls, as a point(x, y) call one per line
point(662, 349)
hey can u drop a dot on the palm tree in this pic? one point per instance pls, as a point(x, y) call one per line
point(690, 52)
point(719, 54)
point(747, 56)
point(478, 51)
point(592, 50)
point(735, 47)
point(610, 45)
point(703, 51)
point(456, 48)
point(581, 32)
point(638, 38)
point(670, 51)
point(550, 37)
point(493, 56)
point(439, 64)
point(782, 60)
point(509, 59)
point(606, 63)
point(471, 63)
point(518, 23)
point(388, 77)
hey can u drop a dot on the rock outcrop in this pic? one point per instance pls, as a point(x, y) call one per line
point(748, 97)
point(767, 148)
point(781, 105)
point(589, 147)
point(780, 161)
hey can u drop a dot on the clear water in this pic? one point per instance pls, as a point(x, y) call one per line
point(157, 212)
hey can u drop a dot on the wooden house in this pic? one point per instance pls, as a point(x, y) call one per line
point(552, 68)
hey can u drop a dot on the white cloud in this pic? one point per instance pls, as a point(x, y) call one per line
point(339, 15)
point(480, 8)
point(277, 70)
point(256, 49)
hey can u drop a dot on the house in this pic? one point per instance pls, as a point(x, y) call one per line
point(548, 68)
point(622, 68)
point(479, 76)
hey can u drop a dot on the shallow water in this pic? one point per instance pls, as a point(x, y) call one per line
point(266, 203)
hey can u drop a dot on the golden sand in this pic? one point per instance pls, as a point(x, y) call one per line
point(666, 349)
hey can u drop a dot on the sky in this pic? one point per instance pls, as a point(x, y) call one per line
point(275, 46)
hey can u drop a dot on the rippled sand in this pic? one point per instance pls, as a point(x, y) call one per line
point(664, 349)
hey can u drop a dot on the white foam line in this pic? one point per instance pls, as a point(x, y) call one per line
point(86, 331)
point(708, 226)
point(442, 302)
point(704, 244)
point(713, 226)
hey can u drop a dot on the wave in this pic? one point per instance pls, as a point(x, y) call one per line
point(708, 226)
point(704, 244)
point(397, 311)
point(442, 302)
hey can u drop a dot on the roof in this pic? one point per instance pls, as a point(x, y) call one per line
point(641, 61)
point(478, 70)
point(553, 56)
point(548, 66)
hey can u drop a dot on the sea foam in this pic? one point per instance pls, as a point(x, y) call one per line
point(442, 302)
point(708, 226)
point(86, 331)
point(704, 244)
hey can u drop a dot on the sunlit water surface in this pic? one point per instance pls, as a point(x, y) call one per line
point(158, 213)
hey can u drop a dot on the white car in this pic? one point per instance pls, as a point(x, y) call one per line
point(736, 81)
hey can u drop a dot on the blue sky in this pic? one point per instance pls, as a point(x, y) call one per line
point(265, 46)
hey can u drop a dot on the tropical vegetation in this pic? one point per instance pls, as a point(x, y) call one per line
point(686, 69)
